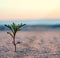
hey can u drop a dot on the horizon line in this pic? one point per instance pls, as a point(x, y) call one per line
point(31, 19)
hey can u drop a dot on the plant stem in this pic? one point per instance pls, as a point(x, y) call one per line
point(14, 43)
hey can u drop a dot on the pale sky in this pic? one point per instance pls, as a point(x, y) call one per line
point(29, 9)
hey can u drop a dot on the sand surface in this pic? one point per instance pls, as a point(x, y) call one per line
point(32, 44)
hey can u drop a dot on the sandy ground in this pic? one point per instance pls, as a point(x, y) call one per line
point(32, 44)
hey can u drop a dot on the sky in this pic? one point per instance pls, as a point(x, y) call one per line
point(29, 9)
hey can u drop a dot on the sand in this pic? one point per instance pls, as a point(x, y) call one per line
point(32, 44)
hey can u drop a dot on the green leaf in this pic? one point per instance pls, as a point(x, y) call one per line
point(14, 28)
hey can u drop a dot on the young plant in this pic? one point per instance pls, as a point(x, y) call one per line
point(14, 29)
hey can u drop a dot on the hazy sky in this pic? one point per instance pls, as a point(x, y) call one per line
point(29, 9)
